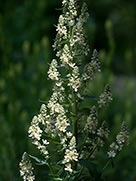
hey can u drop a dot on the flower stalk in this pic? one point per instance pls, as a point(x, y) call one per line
point(59, 121)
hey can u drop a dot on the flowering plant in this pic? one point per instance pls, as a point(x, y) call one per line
point(74, 133)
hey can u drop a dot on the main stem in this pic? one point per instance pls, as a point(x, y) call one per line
point(74, 106)
point(75, 128)
point(74, 109)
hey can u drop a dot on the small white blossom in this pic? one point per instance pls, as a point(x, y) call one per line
point(68, 167)
point(69, 134)
point(111, 154)
point(45, 142)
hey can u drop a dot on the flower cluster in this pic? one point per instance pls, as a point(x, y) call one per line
point(57, 115)
point(84, 14)
point(34, 129)
point(53, 72)
point(79, 40)
point(70, 27)
point(61, 28)
point(26, 168)
point(66, 57)
point(92, 121)
point(122, 138)
point(74, 80)
point(72, 10)
point(92, 67)
point(70, 155)
point(105, 97)
point(102, 132)
point(35, 132)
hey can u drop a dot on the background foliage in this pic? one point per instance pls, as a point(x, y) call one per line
point(26, 37)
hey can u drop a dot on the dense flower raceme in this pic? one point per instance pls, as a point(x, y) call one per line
point(70, 155)
point(122, 138)
point(26, 168)
point(58, 120)
point(91, 68)
point(105, 97)
point(92, 121)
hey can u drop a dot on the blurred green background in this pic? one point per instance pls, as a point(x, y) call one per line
point(26, 36)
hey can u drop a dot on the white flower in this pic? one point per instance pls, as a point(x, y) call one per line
point(45, 142)
point(111, 154)
point(68, 167)
point(31, 178)
point(69, 134)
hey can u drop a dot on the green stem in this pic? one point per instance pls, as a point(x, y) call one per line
point(51, 169)
point(74, 109)
point(92, 151)
point(75, 128)
point(106, 165)
point(77, 178)
point(83, 144)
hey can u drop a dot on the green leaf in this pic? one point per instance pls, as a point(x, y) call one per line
point(55, 177)
point(62, 42)
point(91, 97)
point(85, 178)
point(88, 164)
point(92, 168)
point(85, 111)
point(55, 165)
point(59, 9)
point(56, 141)
point(39, 161)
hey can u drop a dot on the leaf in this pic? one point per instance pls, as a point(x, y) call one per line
point(58, 167)
point(85, 111)
point(85, 178)
point(55, 177)
point(92, 168)
point(39, 161)
point(52, 140)
point(91, 97)
point(59, 9)
point(88, 164)
point(62, 42)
